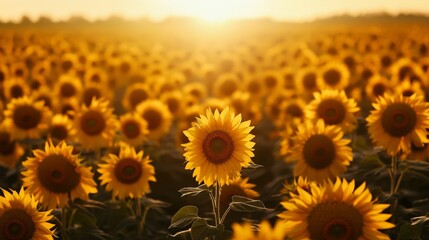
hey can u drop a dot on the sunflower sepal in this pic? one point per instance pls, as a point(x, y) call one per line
point(244, 204)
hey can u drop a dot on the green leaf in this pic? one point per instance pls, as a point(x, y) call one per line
point(224, 235)
point(371, 161)
point(193, 191)
point(185, 216)
point(409, 232)
point(244, 204)
point(200, 230)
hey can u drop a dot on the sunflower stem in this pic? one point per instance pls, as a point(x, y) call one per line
point(212, 198)
point(139, 216)
point(64, 223)
point(225, 214)
point(393, 173)
point(143, 220)
point(217, 198)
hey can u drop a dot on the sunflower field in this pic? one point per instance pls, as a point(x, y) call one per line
point(180, 130)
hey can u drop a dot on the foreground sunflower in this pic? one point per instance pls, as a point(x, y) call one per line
point(320, 151)
point(95, 125)
point(335, 211)
point(334, 108)
point(397, 122)
point(265, 232)
point(219, 146)
point(26, 118)
point(20, 218)
point(128, 174)
point(55, 174)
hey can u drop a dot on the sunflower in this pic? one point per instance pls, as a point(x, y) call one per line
point(419, 153)
point(306, 81)
point(377, 86)
point(96, 91)
point(56, 176)
point(26, 118)
point(292, 109)
point(20, 218)
point(36, 82)
point(134, 129)
point(68, 86)
point(335, 211)
point(68, 63)
point(15, 88)
point(272, 80)
point(19, 70)
point(96, 76)
point(4, 73)
point(10, 150)
point(68, 106)
point(263, 232)
point(157, 116)
point(334, 108)
point(219, 146)
point(226, 85)
point(96, 124)
point(136, 94)
point(334, 75)
point(44, 94)
point(320, 151)
point(215, 103)
point(128, 174)
point(408, 88)
point(174, 102)
point(254, 86)
point(239, 186)
point(61, 128)
point(196, 89)
point(397, 122)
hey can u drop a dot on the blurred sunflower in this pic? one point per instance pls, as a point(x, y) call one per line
point(292, 109)
point(306, 81)
point(334, 75)
point(68, 63)
point(68, 106)
point(4, 73)
point(128, 174)
point(408, 88)
point(264, 231)
point(26, 118)
point(215, 103)
point(320, 151)
point(94, 91)
point(219, 146)
point(239, 186)
point(334, 108)
point(157, 116)
point(419, 153)
point(335, 211)
point(15, 88)
point(174, 102)
point(254, 86)
point(133, 128)
point(196, 89)
point(36, 82)
point(96, 76)
point(19, 70)
point(226, 85)
point(61, 128)
point(68, 86)
point(56, 174)
point(377, 86)
point(272, 80)
point(136, 94)
point(20, 218)
point(10, 150)
point(44, 94)
point(95, 125)
point(397, 122)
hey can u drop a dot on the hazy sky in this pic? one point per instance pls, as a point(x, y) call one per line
point(207, 9)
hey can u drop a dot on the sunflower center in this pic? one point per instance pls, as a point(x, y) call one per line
point(378, 89)
point(386, 61)
point(404, 72)
point(332, 77)
point(254, 87)
point(16, 91)
point(16, 224)
point(331, 111)
point(270, 81)
point(26, 117)
point(92, 122)
point(67, 65)
point(218, 147)
point(335, 221)
point(131, 129)
point(173, 104)
point(59, 132)
point(228, 191)
point(89, 94)
point(67, 90)
point(294, 110)
point(128, 171)
point(319, 151)
point(153, 118)
point(228, 88)
point(7, 146)
point(399, 119)
point(407, 93)
point(137, 96)
point(309, 81)
point(57, 174)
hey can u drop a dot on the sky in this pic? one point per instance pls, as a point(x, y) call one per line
point(210, 10)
